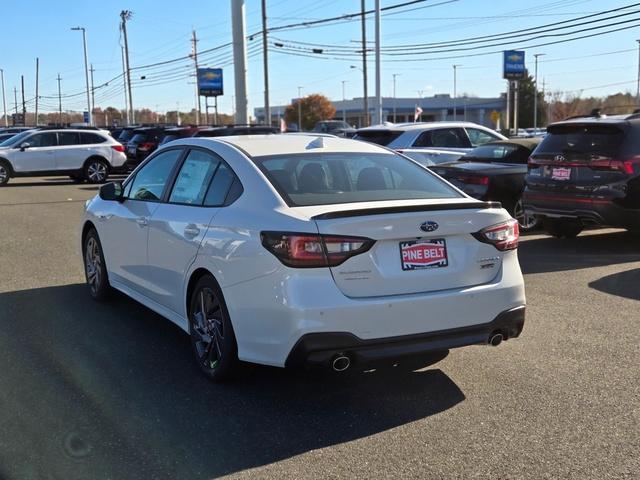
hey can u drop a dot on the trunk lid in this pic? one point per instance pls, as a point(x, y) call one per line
point(578, 159)
point(406, 259)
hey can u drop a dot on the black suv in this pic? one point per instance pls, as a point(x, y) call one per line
point(585, 172)
point(236, 130)
point(143, 143)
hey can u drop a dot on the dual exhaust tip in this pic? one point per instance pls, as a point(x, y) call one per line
point(496, 339)
point(342, 362)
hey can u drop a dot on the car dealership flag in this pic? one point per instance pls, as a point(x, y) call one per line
point(418, 113)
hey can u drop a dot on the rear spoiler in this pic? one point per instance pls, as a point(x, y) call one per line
point(408, 208)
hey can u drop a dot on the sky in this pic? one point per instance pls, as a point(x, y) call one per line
point(161, 30)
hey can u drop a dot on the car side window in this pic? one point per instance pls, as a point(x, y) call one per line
point(194, 177)
point(47, 139)
point(88, 138)
point(442, 138)
point(224, 188)
point(480, 137)
point(150, 181)
point(68, 138)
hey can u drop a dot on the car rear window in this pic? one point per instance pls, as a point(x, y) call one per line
point(379, 137)
point(603, 140)
point(138, 137)
point(125, 135)
point(334, 178)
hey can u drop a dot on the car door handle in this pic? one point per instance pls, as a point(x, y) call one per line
point(142, 221)
point(191, 231)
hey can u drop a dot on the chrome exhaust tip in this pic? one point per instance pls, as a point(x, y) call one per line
point(340, 363)
point(495, 339)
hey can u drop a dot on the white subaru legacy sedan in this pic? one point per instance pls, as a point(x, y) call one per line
point(299, 250)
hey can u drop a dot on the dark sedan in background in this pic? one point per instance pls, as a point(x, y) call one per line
point(494, 171)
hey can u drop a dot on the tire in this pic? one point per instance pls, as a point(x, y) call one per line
point(96, 170)
point(95, 268)
point(5, 173)
point(559, 228)
point(526, 221)
point(212, 338)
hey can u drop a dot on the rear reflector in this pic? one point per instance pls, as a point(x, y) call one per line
point(306, 250)
point(118, 148)
point(473, 179)
point(504, 236)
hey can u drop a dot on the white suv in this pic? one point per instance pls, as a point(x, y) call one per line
point(82, 154)
point(456, 136)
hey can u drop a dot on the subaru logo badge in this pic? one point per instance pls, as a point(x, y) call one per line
point(559, 158)
point(429, 226)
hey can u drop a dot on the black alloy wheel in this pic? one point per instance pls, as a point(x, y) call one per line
point(212, 337)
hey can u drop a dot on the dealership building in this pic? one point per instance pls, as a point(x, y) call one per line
point(397, 110)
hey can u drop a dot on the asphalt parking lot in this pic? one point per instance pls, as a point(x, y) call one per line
point(110, 391)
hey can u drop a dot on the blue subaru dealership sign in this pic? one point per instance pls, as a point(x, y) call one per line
point(210, 82)
point(514, 68)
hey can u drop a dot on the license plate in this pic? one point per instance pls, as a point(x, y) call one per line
point(560, 174)
point(422, 254)
point(132, 150)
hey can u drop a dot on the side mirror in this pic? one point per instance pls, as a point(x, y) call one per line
point(24, 146)
point(112, 191)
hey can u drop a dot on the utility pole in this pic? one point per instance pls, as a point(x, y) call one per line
point(379, 118)
point(238, 28)
point(124, 81)
point(4, 100)
point(394, 96)
point(37, 75)
point(15, 99)
point(24, 105)
point(455, 91)
point(194, 50)
point(93, 92)
point(535, 93)
point(364, 63)
point(299, 109)
point(126, 15)
point(265, 61)
point(86, 70)
point(344, 109)
point(59, 101)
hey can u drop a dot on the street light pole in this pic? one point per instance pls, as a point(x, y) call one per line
point(455, 92)
point(4, 100)
point(394, 95)
point(535, 95)
point(299, 109)
point(378, 113)
point(344, 110)
point(86, 70)
point(364, 64)
point(638, 84)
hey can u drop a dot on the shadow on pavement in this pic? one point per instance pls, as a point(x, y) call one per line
point(623, 284)
point(109, 390)
point(549, 254)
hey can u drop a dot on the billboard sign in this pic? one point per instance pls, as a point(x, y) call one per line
point(210, 82)
point(513, 66)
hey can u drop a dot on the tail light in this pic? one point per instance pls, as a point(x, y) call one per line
point(118, 148)
point(306, 250)
point(146, 146)
point(504, 236)
point(473, 179)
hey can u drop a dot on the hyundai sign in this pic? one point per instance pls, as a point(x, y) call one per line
point(210, 82)
point(514, 68)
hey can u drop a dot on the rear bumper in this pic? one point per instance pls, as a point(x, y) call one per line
point(318, 349)
point(271, 314)
point(590, 211)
